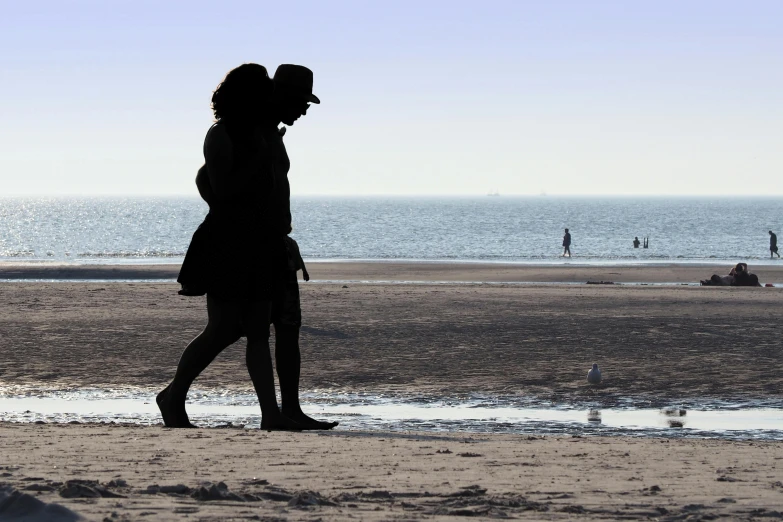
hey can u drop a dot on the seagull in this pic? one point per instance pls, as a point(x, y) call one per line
point(594, 375)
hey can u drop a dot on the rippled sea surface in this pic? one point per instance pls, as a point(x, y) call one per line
point(508, 229)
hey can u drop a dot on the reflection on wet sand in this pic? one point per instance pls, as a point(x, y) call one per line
point(379, 413)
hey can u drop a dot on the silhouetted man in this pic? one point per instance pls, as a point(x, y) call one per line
point(636, 242)
point(773, 244)
point(567, 243)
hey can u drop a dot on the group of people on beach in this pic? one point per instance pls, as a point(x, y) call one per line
point(738, 276)
point(245, 183)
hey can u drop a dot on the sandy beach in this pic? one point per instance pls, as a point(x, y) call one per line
point(152, 473)
point(656, 344)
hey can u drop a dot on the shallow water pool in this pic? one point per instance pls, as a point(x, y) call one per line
point(394, 414)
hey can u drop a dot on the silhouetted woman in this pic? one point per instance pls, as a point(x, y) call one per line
point(236, 253)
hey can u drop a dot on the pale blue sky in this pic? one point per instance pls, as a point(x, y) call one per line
point(438, 97)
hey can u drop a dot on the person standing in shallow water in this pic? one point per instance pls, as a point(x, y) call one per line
point(567, 243)
point(240, 249)
point(636, 242)
point(773, 244)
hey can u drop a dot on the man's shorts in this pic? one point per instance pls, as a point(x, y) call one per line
point(286, 308)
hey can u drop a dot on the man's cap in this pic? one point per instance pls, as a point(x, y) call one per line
point(296, 79)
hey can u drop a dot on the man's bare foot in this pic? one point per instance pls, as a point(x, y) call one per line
point(171, 417)
point(308, 422)
point(281, 423)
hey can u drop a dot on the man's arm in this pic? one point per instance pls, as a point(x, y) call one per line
point(305, 275)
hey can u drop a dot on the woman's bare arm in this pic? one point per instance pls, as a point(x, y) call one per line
point(229, 180)
point(219, 156)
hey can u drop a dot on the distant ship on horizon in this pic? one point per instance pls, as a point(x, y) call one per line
point(493, 193)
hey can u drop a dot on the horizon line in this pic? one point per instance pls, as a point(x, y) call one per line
point(418, 195)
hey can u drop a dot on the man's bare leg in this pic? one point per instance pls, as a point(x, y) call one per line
point(255, 322)
point(288, 361)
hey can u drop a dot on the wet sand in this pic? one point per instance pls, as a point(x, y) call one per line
point(570, 271)
point(153, 473)
point(657, 344)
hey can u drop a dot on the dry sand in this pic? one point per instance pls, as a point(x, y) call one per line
point(382, 476)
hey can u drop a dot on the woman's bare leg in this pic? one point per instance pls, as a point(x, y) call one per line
point(223, 329)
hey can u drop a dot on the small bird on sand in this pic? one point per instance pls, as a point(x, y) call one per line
point(594, 375)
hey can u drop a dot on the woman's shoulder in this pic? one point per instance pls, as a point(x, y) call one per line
point(217, 138)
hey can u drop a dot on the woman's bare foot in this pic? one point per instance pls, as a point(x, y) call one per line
point(171, 417)
point(308, 422)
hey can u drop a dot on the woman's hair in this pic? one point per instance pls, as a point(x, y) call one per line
point(242, 94)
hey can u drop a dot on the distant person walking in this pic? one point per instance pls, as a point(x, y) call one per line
point(773, 244)
point(636, 242)
point(567, 243)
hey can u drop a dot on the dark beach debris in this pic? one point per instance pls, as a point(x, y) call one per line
point(275, 496)
point(216, 492)
point(378, 494)
point(482, 511)
point(575, 509)
point(762, 512)
point(445, 451)
point(468, 454)
point(469, 491)
point(484, 506)
point(15, 505)
point(255, 482)
point(86, 489)
point(346, 497)
point(177, 489)
point(308, 499)
point(600, 282)
point(38, 487)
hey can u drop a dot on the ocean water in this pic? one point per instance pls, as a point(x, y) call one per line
point(493, 229)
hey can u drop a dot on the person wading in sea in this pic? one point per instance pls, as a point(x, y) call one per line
point(773, 244)
point(567, 243)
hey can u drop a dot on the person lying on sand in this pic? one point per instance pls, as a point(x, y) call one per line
point(717, 280)
point(744, 278)
point(738, 276)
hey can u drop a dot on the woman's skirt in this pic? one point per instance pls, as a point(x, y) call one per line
point(232, 259)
